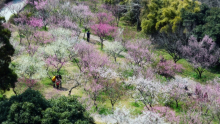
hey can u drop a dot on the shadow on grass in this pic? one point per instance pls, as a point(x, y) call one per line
point(215, 69)
point(63, 89)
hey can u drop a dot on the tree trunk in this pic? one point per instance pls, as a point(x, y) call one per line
point(150, 106)
point(14, 91)
point(20, 39)
point(96, 107)
point(112, 107)
point(176, 104)
point(72, 88)
point(200, 74)
point(101, 43)
point(45, 27)
point(147, 107)
point(115, 59)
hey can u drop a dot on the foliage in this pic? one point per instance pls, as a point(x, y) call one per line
point(32, 107)
point(8, 77)
point(172, 41)
point(66, 110)
point(132, 11)
point(163, 13)
point(211, 3)
point(206, 22)
point(29, 105)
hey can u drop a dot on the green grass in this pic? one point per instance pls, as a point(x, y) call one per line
point(9, 93)
point(188, 69)
point(128, 73)
point(120, 56)
point(172, 104)
point(46, 82)
point(138, 107)
point(109, 38)
point(28, 6)
point(104, 110)
point(161, 78)
point(43, 29)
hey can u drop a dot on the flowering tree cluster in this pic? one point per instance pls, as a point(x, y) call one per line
point(105, 27)
point(30, 69)
point(82, 13)
point(139, 51)
point(116, 10)
point(168, 68)
point(149, 92)
point(123, 115)
point(201, 55)
point(97, 69)
point(57, 54)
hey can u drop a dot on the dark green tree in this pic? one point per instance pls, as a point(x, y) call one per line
point(24, 108)
point(66, 110)
point(8, 77)
point(31, 107)
point(206, 22)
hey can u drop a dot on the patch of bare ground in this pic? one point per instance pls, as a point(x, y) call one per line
point(50, 92)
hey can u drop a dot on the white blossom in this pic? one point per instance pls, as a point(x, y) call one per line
point(107, 73)
point(123, 116)
point(113, 48)
point(30, 67)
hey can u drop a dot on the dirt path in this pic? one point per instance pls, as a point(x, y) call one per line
point(50, 92)
point(94, 39)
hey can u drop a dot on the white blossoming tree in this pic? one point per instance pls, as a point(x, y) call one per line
point(113, 49)
point(123, 116)
point(148, 91)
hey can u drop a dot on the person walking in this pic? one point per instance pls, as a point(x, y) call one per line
point(88, 36)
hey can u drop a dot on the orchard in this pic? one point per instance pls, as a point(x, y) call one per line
point(144, 62)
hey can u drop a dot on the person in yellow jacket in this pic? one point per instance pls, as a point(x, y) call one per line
point(53, 80)
point(57, 81)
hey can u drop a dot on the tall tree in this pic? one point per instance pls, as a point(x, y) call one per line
point(8, 77)
point(164, 13)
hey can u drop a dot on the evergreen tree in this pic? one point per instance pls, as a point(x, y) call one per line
point(7, 76)
point(31, 107)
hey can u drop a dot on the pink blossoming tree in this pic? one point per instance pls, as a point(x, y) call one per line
point(103, 31)
point(139, 51)
point(201, 55)
point(168, 68)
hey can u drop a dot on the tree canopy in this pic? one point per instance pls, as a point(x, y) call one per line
point(206, 22)
point(164, 13)
point(8, 77)
point(32, 107)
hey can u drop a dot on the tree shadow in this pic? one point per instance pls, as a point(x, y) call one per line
point(62, 89)
point(215, 69)
point(93, 41)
